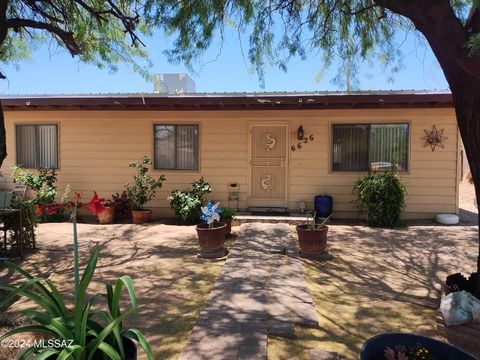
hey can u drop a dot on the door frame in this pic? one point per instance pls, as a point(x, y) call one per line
point(281, 203)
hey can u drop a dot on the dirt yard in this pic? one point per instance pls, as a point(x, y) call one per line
point(379, 280)
point(171, 283)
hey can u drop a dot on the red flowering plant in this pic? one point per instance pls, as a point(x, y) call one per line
point(85, 334)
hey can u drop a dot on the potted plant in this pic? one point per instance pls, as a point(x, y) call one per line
point(211, 233)
point(42, 183)
point(226, 216)
point(187, 203)
point(142, 190)
point(400, 346)
point(82, 330)
point(107, 215)
point(312, 237)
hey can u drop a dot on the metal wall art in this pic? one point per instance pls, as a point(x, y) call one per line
point(434, 138)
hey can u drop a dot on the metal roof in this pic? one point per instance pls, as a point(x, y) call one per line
point(231, 101)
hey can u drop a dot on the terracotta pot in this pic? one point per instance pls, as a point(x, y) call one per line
point(228, 228)
point(106, 216)
point(141, 216)
point(312, 242)
point(211, 240)
point(39, 210)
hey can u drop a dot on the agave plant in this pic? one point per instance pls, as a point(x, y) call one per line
point(80, 333)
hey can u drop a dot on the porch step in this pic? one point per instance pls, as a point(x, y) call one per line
point(268, 210)
point(292, 219)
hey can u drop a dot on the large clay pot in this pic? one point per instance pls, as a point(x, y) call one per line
point(211, 240)
point(374, 347)
point(141, 216)
point(106, 216)
point(312, 242)
point(228, 227)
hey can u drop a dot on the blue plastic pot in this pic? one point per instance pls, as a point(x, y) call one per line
point(374, 348)
point(323, 205)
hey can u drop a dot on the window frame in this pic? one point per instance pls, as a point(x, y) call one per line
point(175, 125)
point(57, 144)
point(369, 125)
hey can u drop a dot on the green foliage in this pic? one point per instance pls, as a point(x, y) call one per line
point(42, 182)
point(312, 222)
point(187, 203)
point(382, 197)
point(89, 332)
point(226, 213)
point(144, 186)
point(29, 219)
point(103, 33)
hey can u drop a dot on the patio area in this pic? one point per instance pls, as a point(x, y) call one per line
point(379, 280)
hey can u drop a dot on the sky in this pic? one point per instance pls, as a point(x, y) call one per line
point(57, 72)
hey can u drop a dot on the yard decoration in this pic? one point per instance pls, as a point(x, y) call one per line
point(382, 197)
point(81, 333)
point(434, 138)
point(211, 234)
point(142, 190)
point(312, 237)
point(226, 216)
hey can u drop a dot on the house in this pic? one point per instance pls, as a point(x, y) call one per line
point(280, 148)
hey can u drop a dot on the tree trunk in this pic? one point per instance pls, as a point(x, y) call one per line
point(3, 137)
point(467, 108)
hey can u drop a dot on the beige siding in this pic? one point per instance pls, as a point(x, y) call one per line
point(95, 148)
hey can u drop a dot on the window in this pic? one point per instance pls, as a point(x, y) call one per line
point(37, 146)
point(176, 147)
point(375, 147)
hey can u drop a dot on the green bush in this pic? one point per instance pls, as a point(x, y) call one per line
point(187, 203)
point(42, 182)
point(382, 197)
point(226, 213)
point(144, 186)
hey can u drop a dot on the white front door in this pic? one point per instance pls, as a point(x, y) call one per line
point(268, 165)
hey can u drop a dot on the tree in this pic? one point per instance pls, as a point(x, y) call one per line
point(350, 30)
point(102, 32)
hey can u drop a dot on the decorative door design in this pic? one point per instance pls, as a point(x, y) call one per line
point(268, 165)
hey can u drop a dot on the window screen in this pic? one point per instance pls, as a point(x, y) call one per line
point(376, 147)
point(176, 147)
point(37, 146)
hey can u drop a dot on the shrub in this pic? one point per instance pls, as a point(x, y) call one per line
point(41, 182)
point(226, 213)
point(382, 197)
point(144, 186)
point(187, 203)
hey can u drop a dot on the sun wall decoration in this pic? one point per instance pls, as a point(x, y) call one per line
point(434, 138)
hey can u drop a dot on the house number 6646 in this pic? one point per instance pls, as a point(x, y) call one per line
point(304, 141)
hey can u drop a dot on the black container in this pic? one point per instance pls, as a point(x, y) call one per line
point(374, 348)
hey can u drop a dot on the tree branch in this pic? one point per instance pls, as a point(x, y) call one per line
point(65, 36)
point(443, 30)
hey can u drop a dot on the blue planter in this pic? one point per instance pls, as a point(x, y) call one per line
point(323, 205)
point(374, 348)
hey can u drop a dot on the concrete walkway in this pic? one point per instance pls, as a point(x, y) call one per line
point(260, 291)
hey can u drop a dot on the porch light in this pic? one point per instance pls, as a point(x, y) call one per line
point(300, 133)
